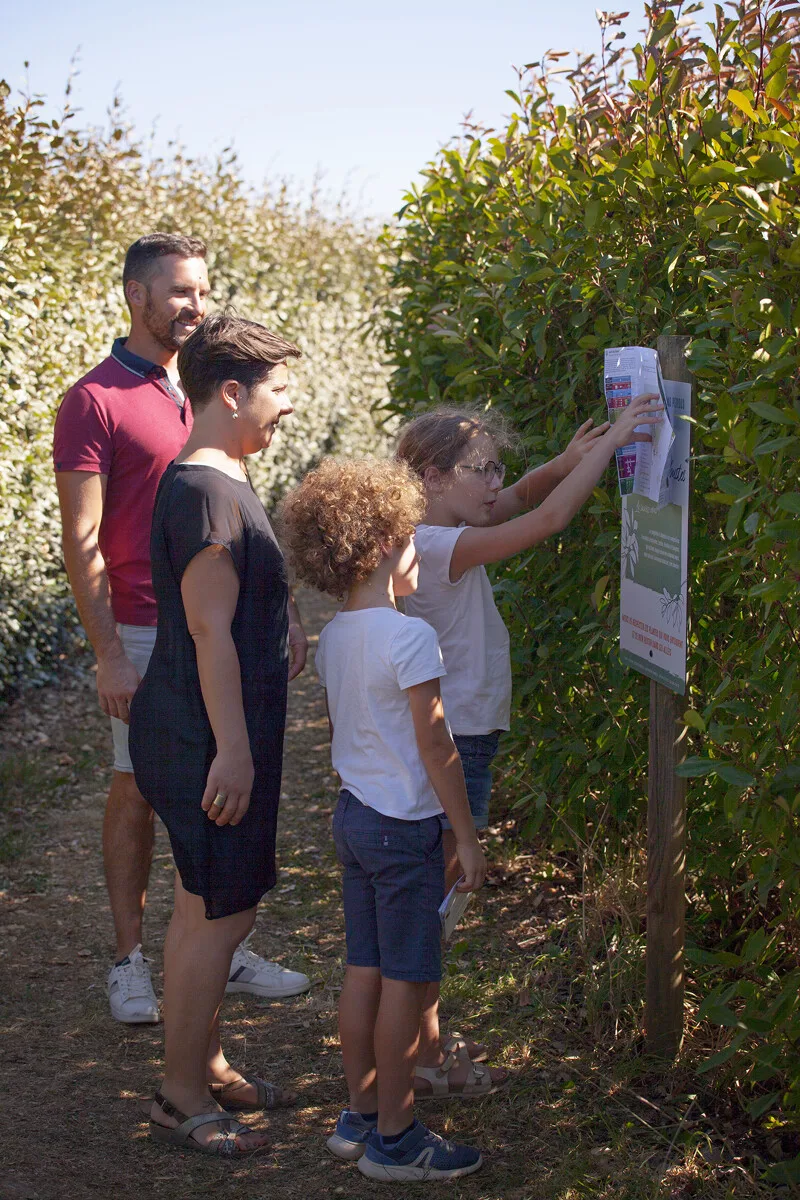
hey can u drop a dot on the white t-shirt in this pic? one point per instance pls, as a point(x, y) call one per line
point(365, 660)
point(473, 638)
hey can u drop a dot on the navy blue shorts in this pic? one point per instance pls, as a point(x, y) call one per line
point(393, 884)
point(477, 751)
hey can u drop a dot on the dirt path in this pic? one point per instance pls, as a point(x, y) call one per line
point(76, 1076)
point(73, 1078)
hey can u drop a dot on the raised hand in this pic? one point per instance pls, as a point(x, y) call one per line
point(646, 409)
point(582, 443)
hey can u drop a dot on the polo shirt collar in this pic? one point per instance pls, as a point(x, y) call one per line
point(134, 362)
point(147, 370)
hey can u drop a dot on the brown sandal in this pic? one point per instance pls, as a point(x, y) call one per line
point(222, 1145)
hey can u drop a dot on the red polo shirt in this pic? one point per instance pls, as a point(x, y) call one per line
point(124, 420)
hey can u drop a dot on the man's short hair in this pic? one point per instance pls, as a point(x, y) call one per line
point(142, 256)
point(225, 346)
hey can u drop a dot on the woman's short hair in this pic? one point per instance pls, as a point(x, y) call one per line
point(438, 438)
point(225, 346)
point(337, 520)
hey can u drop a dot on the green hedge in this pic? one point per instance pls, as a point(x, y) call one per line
point(668, 203)
point(71, 201)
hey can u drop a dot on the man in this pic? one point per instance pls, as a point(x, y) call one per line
point(116, 431)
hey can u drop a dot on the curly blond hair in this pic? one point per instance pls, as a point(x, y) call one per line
point(335, 521)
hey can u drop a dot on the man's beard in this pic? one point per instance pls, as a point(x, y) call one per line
point(169, 334)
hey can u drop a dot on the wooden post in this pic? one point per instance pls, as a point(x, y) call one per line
point(666, 832)
point(666, 899)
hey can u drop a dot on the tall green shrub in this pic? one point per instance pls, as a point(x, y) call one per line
point(664, 203)
point(71, 201)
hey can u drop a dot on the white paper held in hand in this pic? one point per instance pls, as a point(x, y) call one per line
point(451, 910)
point(642, 467)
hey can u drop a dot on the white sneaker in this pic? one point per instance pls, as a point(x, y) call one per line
point(251, 973)
point(130, 990)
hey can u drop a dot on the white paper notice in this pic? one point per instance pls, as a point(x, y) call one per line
point(451, 910)
point(629, 371)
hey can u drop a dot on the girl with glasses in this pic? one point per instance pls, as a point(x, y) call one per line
point(471, 520)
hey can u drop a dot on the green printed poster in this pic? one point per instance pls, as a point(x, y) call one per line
point(656, 534)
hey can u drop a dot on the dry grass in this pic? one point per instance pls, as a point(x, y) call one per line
point(584, 1117)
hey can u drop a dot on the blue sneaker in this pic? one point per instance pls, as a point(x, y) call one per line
point(350, 1137)
point(420, 1155)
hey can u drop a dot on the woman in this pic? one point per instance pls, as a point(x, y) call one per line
point(207, 722)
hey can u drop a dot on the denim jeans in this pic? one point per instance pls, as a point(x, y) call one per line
point(392, 884)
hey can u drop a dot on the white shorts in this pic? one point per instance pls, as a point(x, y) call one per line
point(138, 642)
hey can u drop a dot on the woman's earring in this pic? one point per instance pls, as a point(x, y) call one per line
point(235, 414)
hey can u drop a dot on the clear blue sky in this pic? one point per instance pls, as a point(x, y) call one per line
point(364, 92)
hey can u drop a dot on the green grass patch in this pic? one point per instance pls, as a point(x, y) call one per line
point(21, 779)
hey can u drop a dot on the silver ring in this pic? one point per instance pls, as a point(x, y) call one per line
point(219, 800)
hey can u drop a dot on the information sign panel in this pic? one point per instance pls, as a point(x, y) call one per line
point(655, 562)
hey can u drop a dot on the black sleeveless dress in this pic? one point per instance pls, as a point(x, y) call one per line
point(171, 741)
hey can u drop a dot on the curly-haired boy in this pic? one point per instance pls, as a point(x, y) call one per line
point(349, 530)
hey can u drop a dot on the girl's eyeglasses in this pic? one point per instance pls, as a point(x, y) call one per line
point(487, 469)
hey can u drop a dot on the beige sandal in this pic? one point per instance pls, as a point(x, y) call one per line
point(268, 1095)
point(479, 1053)
point(222, 1145)
point(478, 1081)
